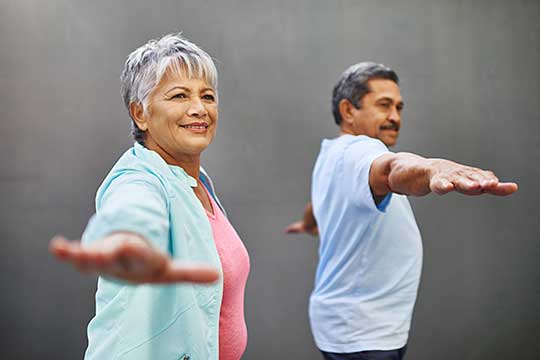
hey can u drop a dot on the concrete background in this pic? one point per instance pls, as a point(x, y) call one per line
point(470, 79)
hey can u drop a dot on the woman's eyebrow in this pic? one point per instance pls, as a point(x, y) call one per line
point(178, 87)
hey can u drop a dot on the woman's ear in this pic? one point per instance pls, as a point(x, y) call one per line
point(136, 111)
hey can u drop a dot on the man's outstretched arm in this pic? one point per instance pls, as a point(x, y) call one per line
point(410, 174)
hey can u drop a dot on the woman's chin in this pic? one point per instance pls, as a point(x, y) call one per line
point(194, 146)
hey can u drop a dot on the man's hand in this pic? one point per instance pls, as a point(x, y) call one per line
point(299, 227)
point(129, 257)
point(308, 224)
point(446, 176)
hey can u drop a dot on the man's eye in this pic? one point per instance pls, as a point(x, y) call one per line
point(385, 105)
point(209, 97)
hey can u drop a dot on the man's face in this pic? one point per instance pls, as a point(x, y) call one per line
point(380, 113)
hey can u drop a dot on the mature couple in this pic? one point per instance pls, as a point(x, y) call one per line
point(159, 228)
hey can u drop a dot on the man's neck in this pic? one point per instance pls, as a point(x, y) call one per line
point(346, 131)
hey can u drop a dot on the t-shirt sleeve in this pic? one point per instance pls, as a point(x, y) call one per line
point(358, 158)
point(134, 202)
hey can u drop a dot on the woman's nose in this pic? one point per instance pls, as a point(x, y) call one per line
point(196, 108)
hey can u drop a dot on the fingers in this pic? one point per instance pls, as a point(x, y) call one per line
point(441, 186)
point(60, 247)
point(184, 272)
point(108, 256)
point(469, 181)
point(295, 228)
point(483, 182)
point(503, 189)
point(486, 179)
point(69, 251)
point(467, 186)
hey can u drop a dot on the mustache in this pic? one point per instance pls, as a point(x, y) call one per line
point(391, 126)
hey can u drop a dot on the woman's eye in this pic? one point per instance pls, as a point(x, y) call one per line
point(209, 97)
point(179, 96)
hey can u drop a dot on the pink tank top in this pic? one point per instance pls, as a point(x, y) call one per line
point(235, 264)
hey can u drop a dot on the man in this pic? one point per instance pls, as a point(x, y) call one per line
point(370, 246)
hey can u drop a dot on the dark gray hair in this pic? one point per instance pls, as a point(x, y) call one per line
point(146, 65)
point(353, 84)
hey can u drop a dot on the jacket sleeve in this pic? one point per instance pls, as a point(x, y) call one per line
point(136, 202)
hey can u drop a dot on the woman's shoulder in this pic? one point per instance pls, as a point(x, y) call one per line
point(130, 169)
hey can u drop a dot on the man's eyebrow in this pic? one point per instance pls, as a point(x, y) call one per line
point(390, 100)
point(385, 98)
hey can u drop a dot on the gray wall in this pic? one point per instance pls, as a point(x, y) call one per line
point(470, 79)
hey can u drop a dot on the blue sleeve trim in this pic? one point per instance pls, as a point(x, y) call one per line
point(384, 203)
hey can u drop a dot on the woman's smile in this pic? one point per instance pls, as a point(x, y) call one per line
point(196, 127)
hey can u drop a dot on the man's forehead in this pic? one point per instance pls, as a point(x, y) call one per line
point(380, 88)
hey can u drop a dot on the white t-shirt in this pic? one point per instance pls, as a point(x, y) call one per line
point(370, 256)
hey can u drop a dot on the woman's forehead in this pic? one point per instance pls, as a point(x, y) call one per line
point(174, 77)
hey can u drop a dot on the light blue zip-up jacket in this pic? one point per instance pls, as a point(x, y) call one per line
point(145, 195)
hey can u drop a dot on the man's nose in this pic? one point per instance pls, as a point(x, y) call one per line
point(395, 115)
point(196, 108)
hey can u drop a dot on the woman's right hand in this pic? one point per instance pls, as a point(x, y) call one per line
point(128, 256)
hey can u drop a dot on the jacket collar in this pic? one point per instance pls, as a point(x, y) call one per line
point(154, 159)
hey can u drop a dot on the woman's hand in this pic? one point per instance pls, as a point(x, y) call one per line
point(128, 256)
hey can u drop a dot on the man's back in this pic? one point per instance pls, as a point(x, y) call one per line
point(370, 256)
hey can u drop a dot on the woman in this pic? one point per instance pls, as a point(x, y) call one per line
point(156, 206)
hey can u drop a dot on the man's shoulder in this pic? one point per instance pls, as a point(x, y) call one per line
point(362, 148)
point(348, 141)
point(364, 141)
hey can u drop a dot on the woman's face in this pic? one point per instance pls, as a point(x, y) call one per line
point(182, 117)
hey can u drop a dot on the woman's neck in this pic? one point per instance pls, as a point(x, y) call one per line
point(190, 163)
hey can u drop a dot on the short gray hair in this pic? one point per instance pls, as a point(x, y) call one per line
point(145, 67)
point(353, 84)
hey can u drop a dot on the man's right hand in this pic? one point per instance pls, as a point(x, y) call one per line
point(127, 256)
